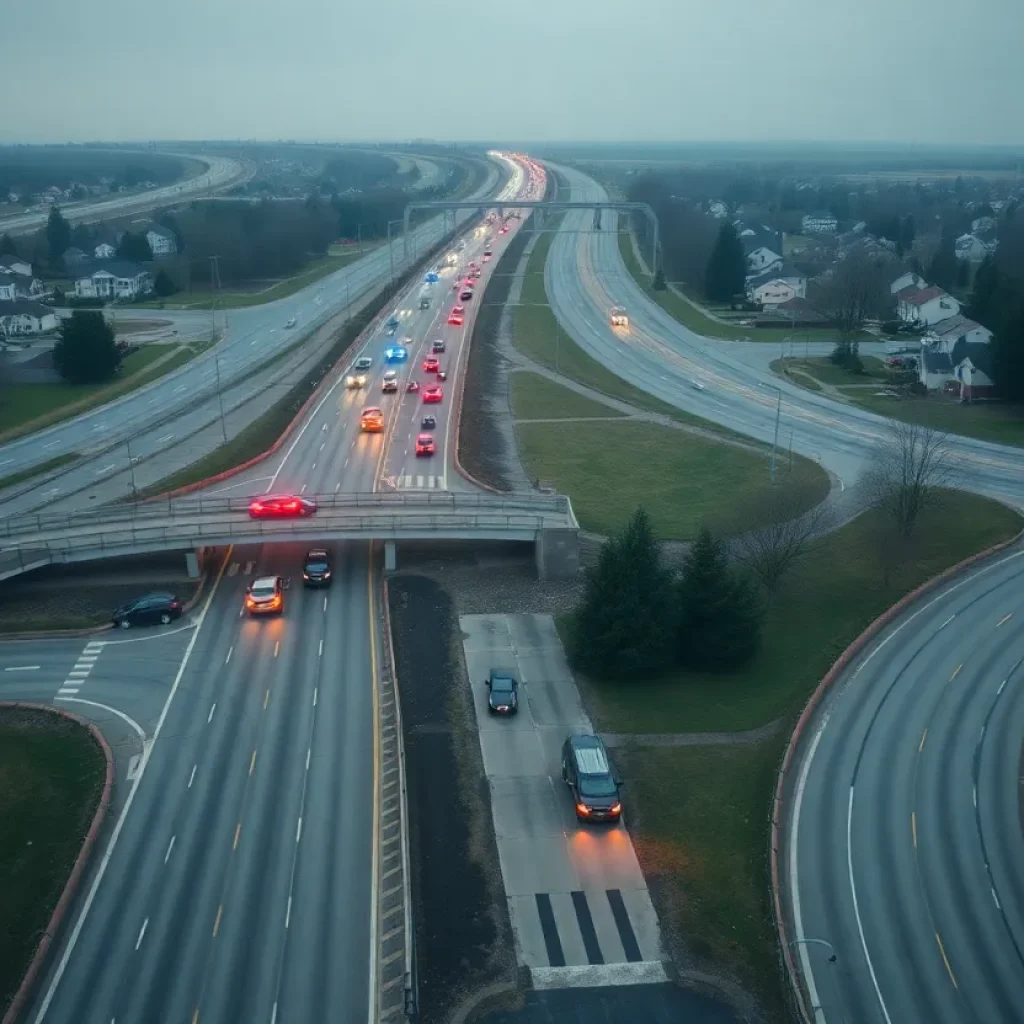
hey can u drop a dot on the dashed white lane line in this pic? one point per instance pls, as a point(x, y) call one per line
point(142, 932)
point(191, 778)
point(22, 668)
point(170, 846)
point(209, 718)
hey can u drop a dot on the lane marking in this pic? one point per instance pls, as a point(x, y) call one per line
point(1005, 618)
point(309, 752)
point(924, 736)
point(287, 916)
point(114, 711)
point(298, 829)
point(142, 932)
point(913, 826)
point(277, 647)
point(266, 699)
point(238, 832)
point(230, 652)
point(252, 762)
point(209, 718)
point(170, 846)
point(22, 668)
point(314, 695)
point(945, 960)
point(192, 776)
point(123, 817)
point(956, 672)
point(320, 652)
point(216, 924)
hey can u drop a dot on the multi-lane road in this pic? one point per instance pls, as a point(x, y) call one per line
point(905, 839)
point(238, 881)
point(152, 418)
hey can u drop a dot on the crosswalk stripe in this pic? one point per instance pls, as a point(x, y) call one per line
point(233, 569)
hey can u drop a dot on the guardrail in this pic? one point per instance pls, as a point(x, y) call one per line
point(182, 509)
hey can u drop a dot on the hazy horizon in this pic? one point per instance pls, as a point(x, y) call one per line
point(881, 72)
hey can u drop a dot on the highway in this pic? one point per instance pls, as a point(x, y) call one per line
point(239, 882)
point(903, 838)
point(221, 173)
point(585, 277)
point(253, 336)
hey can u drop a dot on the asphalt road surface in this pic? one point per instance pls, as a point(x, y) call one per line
point(253, 336)
point(585, 277)
point(904, 841)
point(238, 881)
point(222, 172)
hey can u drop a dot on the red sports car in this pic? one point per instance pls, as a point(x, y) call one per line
point(457, 316)
point(432, 394)
point(424, 445)
point(431, 364)
point(281, 506)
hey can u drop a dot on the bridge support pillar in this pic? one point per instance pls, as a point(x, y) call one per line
point(557, 552)
point(193, 563)
point(390, 556)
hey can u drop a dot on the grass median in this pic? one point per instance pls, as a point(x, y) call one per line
point(51, 777)
point(26, 408)
point(700, 814)
point(533, 397)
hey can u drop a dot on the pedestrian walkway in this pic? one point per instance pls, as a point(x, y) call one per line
point(83, 667)
point(420, 482)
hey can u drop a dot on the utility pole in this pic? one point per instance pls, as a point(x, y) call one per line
point(775, 441)
point(214, 293)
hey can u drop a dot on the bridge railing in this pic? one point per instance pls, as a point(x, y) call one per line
point(195, 508)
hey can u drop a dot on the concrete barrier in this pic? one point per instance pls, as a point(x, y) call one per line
point(855, 649)
point(42, 952)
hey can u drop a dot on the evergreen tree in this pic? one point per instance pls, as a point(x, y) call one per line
point(163, 285)
point(942, 269)
point(726, 272)
point(908, 231)
point(719, 610)
point(658, 284)
point(1008, 353)
point(83, 236)
point(86, 352)
point(58, 236)
point(134, 247)
point(963, 274)
point(983, 297)
point(624, 626)
point(7, 246)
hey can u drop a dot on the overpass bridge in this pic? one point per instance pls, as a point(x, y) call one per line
point(32, 541)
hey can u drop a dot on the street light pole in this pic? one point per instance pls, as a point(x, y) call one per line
point(775, 441)
point(131, 468)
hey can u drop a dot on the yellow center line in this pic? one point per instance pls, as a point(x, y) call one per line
point(945, 960)
point(913, 826)
point(1005, 618)
point(216, 924)
point(956, 672)
point(920, 746)
point(252, 762)
point(238, 832)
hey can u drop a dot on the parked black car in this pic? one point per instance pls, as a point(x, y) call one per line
point(148, 611)
point(316, 570)
point(588, 773)
point(502, 692)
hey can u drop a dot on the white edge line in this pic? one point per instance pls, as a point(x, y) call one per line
point(101, 871)
point(106, 707)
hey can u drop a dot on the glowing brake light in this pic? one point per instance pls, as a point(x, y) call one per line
point(582, 809)
point(616, 808)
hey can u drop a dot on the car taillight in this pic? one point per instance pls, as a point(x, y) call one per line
point(502, 707)
point(257, 507)
point(582, 809)
point(291, 506)
point(616, 808)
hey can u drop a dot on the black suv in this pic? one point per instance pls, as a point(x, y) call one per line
point(588, 773)
point(437, 345)
point(316, 570)
point(147, 611)
point(502, 692)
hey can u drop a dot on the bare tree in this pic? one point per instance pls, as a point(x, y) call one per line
point(910, 466)
point(856, 290)
point(776, 528)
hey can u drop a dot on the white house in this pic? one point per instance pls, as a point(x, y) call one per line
point(22, 316)
point(15, 265)
point(777, 286)
point(117, 280)
point(7, 288)
point(971, 247)
point(718, 209)
point(907, 279)
point(925, 305)
point(763, 260)
point(974, 381)
point(946, 333)
point(104, 251)
point(822, 223)
point(161, 242)
point(934, 369)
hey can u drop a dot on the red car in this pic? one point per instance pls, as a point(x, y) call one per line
point(457, 316)
point(432, 394)
point(431, 364)
point(424, 445)
point(281, 506)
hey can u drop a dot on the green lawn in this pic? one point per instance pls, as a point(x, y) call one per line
point(607, 469)
point(699, 824)
point(314, 271)
point(51, 778)
point(693, 318)
point(824, 370)
point(30, 407)
point(826, 602)
point(535, 397)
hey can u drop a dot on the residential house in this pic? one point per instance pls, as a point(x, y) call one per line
point(983, 225)
point(104, 251)
point(974, 372)
point(15, 265)
point(925, 306)
point(7, 285)
point(718, 209)
point(906, 279)
point(777, 286)
point(971, 247)
point(161, 241)
point(116, 279)
point(16, 286)
point(947, 333)
point(935, 369)
point(763, 249)
point(23, 316)
point(797, 309)
point(822, 223)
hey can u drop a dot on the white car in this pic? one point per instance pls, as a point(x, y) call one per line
point(696, 385)
point(291, 323)
point(618, 317)
point(390, 381)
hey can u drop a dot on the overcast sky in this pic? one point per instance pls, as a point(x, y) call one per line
point(932, 71)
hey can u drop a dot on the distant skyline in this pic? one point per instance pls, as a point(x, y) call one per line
point(871, 71)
